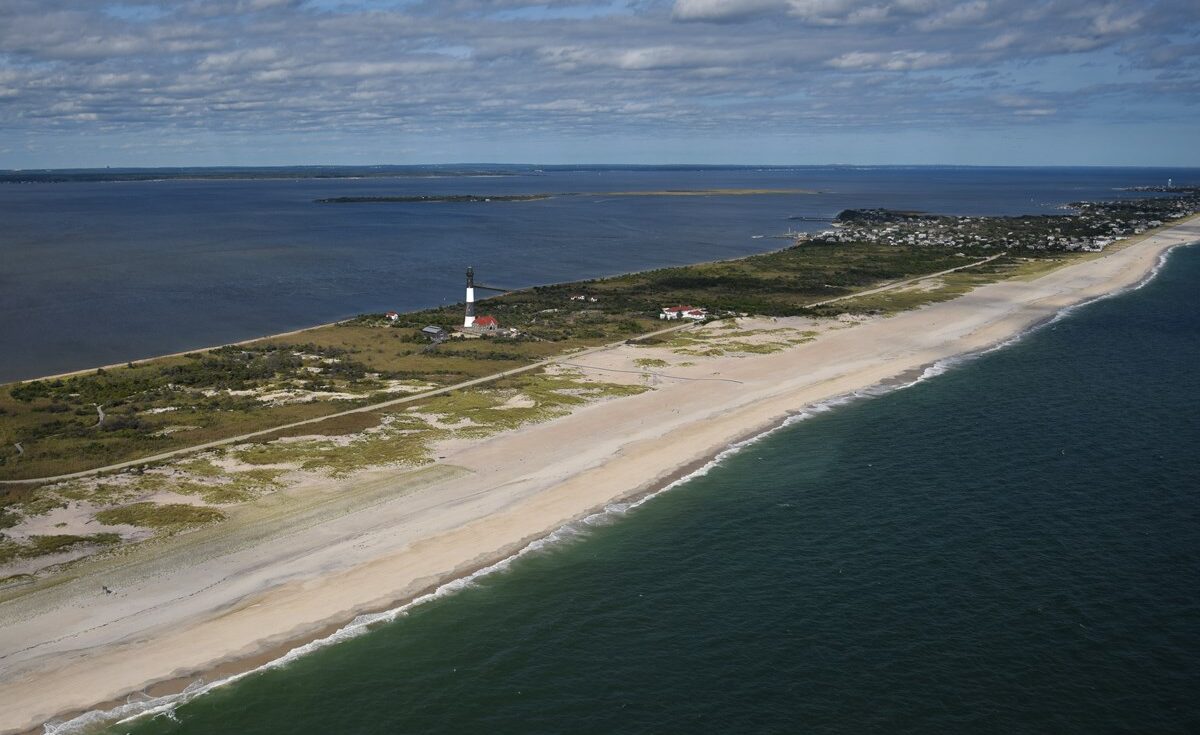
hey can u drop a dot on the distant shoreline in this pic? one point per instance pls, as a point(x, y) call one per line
point(421, 198)
point(470, 198)
point(51, 177)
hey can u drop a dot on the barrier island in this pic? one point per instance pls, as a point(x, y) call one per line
point(389, 459)
point(352, 378)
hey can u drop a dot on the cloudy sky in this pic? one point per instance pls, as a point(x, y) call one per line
point(249, 82)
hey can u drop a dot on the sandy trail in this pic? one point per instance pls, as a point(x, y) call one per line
point(173, 616)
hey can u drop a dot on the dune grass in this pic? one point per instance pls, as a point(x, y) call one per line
point(170, 517)
point(36, 546)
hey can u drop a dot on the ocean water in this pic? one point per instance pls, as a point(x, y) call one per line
point(100, 273)
point(1009, 546)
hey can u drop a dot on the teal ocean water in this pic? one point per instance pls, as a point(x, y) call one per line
point(1008, 547)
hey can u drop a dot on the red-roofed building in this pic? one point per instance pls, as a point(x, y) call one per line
point(683, 312)
point(487, 323)
point(392, 315)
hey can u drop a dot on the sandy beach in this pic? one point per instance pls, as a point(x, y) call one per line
point(219, 602)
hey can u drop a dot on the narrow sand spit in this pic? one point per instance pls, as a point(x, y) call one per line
point(220, 604)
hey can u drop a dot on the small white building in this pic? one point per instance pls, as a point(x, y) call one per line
point(683, 312)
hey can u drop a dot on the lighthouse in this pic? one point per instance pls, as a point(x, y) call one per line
point(469, 320)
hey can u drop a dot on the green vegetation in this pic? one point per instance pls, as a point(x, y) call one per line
point(402, 444)
point(230, 391)
point(169, 518)
point(36, 546)
point(518, 401)
point(406, 437)
point(201, 467)
point(230, 487)
point(45, 499)
point(731, 340)
point(781, 283)
point(942, 288)
point(8, 519)
point(381, 437)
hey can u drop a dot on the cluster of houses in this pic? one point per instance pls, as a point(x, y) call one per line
point(956, 232)
point(1090, 228)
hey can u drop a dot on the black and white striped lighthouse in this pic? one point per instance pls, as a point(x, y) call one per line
point(470, 318)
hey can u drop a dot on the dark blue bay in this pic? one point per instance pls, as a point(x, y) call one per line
point(1010, 547)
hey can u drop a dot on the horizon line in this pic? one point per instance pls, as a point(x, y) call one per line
point(585, 165)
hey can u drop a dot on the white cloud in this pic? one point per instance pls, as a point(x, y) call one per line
point(957, 16)
point(839, 12)
point(724, 11)
point(1003, 41)
point(367, 69)
point(889, 61)
point(648, 58)
point(241, 59)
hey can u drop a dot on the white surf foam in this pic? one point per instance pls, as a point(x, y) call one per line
point(141, 706)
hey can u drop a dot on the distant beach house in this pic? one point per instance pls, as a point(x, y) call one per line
point(683, 312)
point(434, 333)
point(392, 316)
